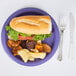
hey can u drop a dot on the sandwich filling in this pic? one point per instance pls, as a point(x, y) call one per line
point(23, 36)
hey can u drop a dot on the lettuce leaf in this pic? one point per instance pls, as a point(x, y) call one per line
point(12, 33)
point(41, 36)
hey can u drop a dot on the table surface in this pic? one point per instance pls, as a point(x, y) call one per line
point(67, 67)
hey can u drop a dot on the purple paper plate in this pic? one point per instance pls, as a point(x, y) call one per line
point(52, 41)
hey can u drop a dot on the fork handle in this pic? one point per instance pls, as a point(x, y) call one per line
point(60, 47)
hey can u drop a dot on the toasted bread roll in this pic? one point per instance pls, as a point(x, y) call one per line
point(32, 24)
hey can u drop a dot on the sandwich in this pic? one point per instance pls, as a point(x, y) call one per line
point(29, 27)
